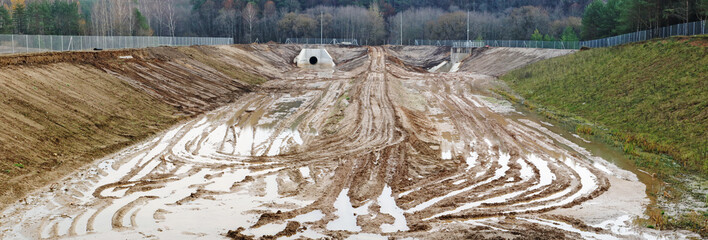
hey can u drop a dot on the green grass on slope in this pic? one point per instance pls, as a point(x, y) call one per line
point(651, 98)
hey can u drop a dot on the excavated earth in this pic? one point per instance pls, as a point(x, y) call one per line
point(377, 148)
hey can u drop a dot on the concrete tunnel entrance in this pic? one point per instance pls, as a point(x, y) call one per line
point(314, 59)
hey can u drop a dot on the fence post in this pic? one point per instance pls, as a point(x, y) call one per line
point(26, 43)
point(39, 42)
point(13, 43)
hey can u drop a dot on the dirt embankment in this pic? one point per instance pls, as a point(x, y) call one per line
point(62, 110)
point(497, 61)
point(420, 56)
point(486, 61)
point(348, 58)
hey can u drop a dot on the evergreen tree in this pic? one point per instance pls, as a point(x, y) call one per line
point(702, 9)
point(6, 25)
point(536, 36)
point(611, 18)
point(141, 26)
point(593, 20)
point(67, 18)
point(39, 18)
point(19, 17)
point(569, 35)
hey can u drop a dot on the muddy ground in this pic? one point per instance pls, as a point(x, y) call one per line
point(377, 148)
point(64, 110)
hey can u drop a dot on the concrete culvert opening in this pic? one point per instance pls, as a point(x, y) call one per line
point(314, 59)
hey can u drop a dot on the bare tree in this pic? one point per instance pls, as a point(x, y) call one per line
point(414, 21)
point(102, 18)
point(250, 14)
point(228, 19)
point(170, 15)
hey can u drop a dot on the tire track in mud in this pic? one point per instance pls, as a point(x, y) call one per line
point(406, 151)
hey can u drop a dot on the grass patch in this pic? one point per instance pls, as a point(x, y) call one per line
point(648, 99)
point(653, 95)
point(584, 129)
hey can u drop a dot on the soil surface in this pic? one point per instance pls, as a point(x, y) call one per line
point(375, 149)
point(62, 110)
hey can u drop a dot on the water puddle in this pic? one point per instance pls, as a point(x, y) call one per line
point(388, 206)
point(346, 220)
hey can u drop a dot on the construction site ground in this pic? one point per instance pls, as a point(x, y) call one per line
point(237, 142)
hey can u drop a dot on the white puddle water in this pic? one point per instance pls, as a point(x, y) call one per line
point(400, 195)
point(212, 144)
point(225, 182)
point(587, 180)
point(268, 229)
point(257, 142)
point(526, 171)
point(367, 236)
point(388, 206)
point(471, 160)
point(305, 172)
point(307, 234)
point(310, 217)
point(346, 221)
point(149, 158)
point(446, 155)
point(570, 228)
point(244, 141)
point(485, 222)
point(503, 161)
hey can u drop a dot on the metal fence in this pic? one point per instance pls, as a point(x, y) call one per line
point(533, 44)
point(468, 44)
point(448, 43)
point(47, 43)
point(501, 43)
point(343, 41)
point(684, 29)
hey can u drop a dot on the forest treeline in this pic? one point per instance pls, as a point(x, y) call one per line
point(371, 22)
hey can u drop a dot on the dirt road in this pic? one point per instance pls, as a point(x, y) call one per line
point(373, 150)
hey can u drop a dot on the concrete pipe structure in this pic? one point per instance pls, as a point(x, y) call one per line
point(314, 59)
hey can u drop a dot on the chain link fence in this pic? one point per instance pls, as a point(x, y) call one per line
point(501, 43)
point(468, 44)
point(684, 29)
point(45, 43)
point(333, 41)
